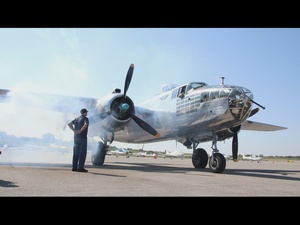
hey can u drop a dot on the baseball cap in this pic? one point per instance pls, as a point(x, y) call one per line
point(84, 110)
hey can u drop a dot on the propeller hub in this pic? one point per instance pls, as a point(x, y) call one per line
point(124, 107)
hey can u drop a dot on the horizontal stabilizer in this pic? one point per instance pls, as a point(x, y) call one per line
point(251, 125)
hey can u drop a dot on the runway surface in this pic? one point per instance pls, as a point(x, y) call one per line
point(48, 173)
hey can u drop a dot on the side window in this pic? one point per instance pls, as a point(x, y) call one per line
point(181, 93)
point(204, 96)
point(224, 93)
point(214, 94)
point(175, 93)
point(189, 87)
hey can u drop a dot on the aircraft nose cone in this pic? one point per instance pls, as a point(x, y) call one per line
point(240, 102)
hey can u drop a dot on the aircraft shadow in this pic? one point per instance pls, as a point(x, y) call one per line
point(7, 184)
point(166, 168)
point(265, 173)
point(169, 168)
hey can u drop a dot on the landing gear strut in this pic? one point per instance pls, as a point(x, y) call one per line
point(217, 161)
point(99, 151)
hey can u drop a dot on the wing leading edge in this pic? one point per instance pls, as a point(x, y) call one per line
point(256, 126)
point(54, 102)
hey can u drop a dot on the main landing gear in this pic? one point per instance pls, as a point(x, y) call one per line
point(100, 149)
point(217, 161)
point(98, 154)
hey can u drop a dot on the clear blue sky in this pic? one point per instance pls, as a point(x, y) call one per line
point(91, 62)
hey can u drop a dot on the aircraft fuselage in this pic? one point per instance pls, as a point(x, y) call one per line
point(200, 111)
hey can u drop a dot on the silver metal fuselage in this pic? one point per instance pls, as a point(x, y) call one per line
point(202, 111)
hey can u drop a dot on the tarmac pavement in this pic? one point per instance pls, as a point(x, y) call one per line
point(48, 173)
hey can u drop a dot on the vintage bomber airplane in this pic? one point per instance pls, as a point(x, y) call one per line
point(190, 114)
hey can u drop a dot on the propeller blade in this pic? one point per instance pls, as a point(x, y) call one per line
point(235, 146)
point(124, 106)
point(128, 79)
point(144, 125)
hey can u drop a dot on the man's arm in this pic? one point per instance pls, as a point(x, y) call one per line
point(82, 128)
point(70, 125)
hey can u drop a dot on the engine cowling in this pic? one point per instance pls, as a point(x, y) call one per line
point(228, 133)
point(116, 110)
point(112, 112)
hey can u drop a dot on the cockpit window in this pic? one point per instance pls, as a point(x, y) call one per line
point(168, 87)
point(175, 93)
point(195, 85)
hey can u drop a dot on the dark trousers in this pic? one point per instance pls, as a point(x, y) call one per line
point(79, 153)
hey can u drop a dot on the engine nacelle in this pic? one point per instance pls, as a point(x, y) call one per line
point(113, 111)
point(225, 134)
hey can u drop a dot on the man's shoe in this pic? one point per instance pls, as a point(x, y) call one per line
point(74, 169)
point(82, 170)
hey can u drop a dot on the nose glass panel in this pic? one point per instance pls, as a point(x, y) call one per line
point(239, 102)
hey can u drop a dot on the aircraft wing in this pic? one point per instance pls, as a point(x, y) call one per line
point(59, 103)
point(256, 126)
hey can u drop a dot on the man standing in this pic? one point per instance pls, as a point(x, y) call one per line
point(80, 128)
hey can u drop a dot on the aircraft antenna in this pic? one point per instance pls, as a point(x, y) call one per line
point(222, 80)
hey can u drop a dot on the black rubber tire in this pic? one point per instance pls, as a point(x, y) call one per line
point(98, 155)
point(199, 158)
point(217, 165)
